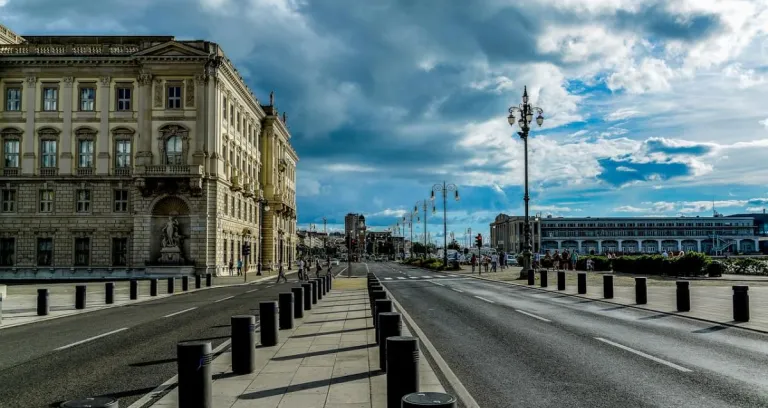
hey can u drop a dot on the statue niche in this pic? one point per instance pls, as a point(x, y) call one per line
point(170, 221)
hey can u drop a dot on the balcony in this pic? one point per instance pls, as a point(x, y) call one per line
point(85, 171)
point(49, 171)
point(168, 170)
point(248, 190)
point(11, 171)
point(236, 183)
point(122, 171)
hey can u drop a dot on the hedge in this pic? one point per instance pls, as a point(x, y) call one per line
point(691, 264)
point(434, 264)
point(745, 266)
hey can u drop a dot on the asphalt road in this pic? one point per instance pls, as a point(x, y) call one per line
point(517, 347)
point(41, 365)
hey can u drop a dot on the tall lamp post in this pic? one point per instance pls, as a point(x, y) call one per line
point(325, 237)
point(444, 189)
point(525, 112)
point(423, 205)
point(264, 207)
point(408, 218)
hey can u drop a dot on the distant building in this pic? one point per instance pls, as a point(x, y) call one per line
point(712, 235)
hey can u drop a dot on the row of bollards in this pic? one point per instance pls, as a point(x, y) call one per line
point(683, 292)
point(194, 358)
point(399, 355)
point(43, 296)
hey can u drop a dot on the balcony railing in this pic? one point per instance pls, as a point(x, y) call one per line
point(10, 171)
point(122, 171)
point(49, 171)
point(170, 170)
point(85, 171)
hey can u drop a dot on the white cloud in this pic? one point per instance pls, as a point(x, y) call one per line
point(349, 168)
point(621, 114)
point(389, 213)
point(764, 122)
point(747, 77)
point(652, 75)
point(625, 169)
point(629, 209)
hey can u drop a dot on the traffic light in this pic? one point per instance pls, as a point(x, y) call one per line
point(479, 241)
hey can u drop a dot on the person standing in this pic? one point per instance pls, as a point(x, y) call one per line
point(281, 274)
point(494, 262)
point(301, 269)
point(239, 267)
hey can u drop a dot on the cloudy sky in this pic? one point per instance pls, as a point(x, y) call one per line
point(651, 107)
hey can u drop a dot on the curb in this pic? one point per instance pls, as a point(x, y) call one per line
point(97, 308)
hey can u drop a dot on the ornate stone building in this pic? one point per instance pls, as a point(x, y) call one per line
point(125, 156)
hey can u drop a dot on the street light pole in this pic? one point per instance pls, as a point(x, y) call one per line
point(325, 237)
point(526, 111)
point(263, 207)
point(423, 204)
point(444, 189)
point(409, 218)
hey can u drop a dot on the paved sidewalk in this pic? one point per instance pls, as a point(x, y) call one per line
point(330, 360)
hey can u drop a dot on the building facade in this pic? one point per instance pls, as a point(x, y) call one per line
point(711, 235)
point(125, 156)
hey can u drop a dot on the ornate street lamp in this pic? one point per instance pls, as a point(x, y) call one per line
point(444, 189)
point(423, 205)
point(408, 218)
point(525, 111)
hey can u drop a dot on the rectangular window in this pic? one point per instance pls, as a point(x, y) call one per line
point(121, 201)
point(88, 99)
point(238, 121)
point(123, 154)
point(44, 251)
point(124, 99)
point(119, 251)
point(231, 115)
point(7, 251)
point(9, 200)
point(224, 109)
point(85, 153)
point(11, 152)
point(82, 251)
point(46, 200)
point(174, 96)
point(13, 99)
point(226, 204)
point(50, 99)
point(225, 251)
point(83, 203)
point(48, 155)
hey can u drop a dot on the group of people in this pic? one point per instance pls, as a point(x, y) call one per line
point(305, 267)
point(488, 262)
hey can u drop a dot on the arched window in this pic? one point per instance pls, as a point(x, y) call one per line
point(174, 144)
point(173, 150)
point(11, 149)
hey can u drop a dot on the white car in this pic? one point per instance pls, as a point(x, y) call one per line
point(334, 262)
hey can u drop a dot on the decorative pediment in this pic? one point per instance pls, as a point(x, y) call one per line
point(171, 49)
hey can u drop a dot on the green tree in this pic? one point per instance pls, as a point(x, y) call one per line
point(417, 248)
point(454, 245)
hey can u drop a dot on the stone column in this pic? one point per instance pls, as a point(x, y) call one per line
point(620, 241)
point(679, 244)
point(65, 163)
point(578, 245)
point(757, 245)
point(29, 158)
point(144, 138)
point(200, 101)
point(698, 245)
point(660, 248)
point(104, 139)
point(738, 245)
point(599, 246)
point(559, 244)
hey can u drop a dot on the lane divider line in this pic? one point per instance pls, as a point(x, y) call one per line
point(533, 315)
point(77, 343)
point(251, 291)
point(457, 290)
point(484, 299)
point(342, 271)
point(437, 283)
point(180, 312)
point(226, 298)
point(648, 356)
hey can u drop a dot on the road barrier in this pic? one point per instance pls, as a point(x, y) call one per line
point(134, 289)
point(153, 287)
point(185, 283)
point(390, 325)
point(608, 286)
point(641, 291)
point(581, 283)
point(109, 293)
point(94, 402)
point(429, 399)
point(307, 295)
point(314, 291)
point(243, 344)
point(402, 368)
point(683, 296)
point(740, 303)
point(193, 361)
point(198, 281)
point(379, 307)
point(376, 295)
point(208, 280)
point(171, 284)
point(560, 280)
point(298, 302)
point(80, 296)
point(531, 277)
point(286, 310)
point(268, 318)
point(543, 274)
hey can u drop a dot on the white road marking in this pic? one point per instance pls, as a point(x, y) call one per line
point(413, 277)
point(387, 278)
point(342, 271)
point(441, 276)
point(533, 315)
point(427, 277)
point(180, 312)
point(77, 343)
point(252, 290)
point(648, 356)
point(400, 278)
point(269, 286)
point(437, 283)
point(226, 298)
point(457, 290)
point(482, 298)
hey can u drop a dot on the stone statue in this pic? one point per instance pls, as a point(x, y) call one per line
point(272, 98)
point(170, 233)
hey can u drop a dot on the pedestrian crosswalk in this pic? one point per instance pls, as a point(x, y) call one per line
point(424, 277)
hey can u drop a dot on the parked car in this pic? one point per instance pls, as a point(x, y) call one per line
point(511, 259)
point(334, 261)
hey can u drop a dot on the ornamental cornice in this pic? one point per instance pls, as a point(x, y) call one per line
point(242, 90)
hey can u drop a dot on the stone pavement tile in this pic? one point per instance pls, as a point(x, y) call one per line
point(350, 392)
point(330, 340)
point(266, 402)
point(379, 399)
point(327, 360)
point(303, 400)
point(347, 405)
point(322, 347)
point(289, 366)
point(269, 381)
point(233, 386)
point(309, 374)
point(223, 401)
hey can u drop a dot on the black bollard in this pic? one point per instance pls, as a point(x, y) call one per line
point(208, 280)
point(402, 368)
point(268, 318)
point(298, 302)
point(109, 293)
point(320, 286)
point(185, 283)
point(581, 283)
point(198, 281)
point(390, 325)
point(741, 303)
point(608, 286)
point(243, 344)
point(544, 277)
point(641, 291)
point(94, 402)
point(314, 291)
point(80, 297)
point(381, 306)
point(373, 289)
point(324, 286)
point(1, 309)
point(286, 310)
point(560, 280)
point(134, 289)
point(327, 283)
point(429, 399)
point(376, 295)
point(683, 296)
point(42, 302)
point(193, 362)
point(307, 288)
point(153, 287)
point(531, 277)
point(171, 284)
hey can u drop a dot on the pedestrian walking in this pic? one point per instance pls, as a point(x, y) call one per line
point(281, 274)
point(239, 267)
point(231, 267)
point(574, 259)
point(301, 269)
point(494, 262)
point(318, 268)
